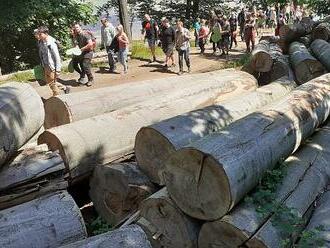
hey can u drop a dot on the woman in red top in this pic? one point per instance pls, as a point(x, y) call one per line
point(123, 47)
point(202, 36)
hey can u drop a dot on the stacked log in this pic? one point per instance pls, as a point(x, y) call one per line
point(321, 50)
point(21, 116)
point(305, 66)
point(64, 109)
point(306, 40)
point(165, 224)
point(210, 176)
point(127, 237)
point(110, 137)
point(322, 31)
point(118, 189)
point(155, 144)
point(319, 222)
point(307, 167)
point(50, 221)
point(261, 59)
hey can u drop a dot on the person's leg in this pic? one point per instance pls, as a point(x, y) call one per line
point(253, 39)
point(235, 38)
point(124, 57)
point(231, 39)
point(50, 77)
point(152, 46)
point(75, 64)
point(214, 47)
point(87, 68)
point(247, 41)
point(180, 53)
point(187, 58)
point(111, 59)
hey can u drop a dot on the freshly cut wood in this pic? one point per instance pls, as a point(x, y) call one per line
point(165, 224)
point(305, 66)
point(261, 59)
point(155, 144)
point(237, 227)
point(320, 219)
point(281, 67)
point(110, 137)
point(50, 221)
point(210, 176)
point(127, 237)
point(64, 109)
point(21, 116)
point(322, 31)
point(118, 189)
point(321, 50)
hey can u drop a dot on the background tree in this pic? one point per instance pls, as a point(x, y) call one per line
point(19, 18)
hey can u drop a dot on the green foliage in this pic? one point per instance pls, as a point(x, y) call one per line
point(243, 60)
point(141, 51)
point(23, 76)
point(98, 226)
point(19, 18)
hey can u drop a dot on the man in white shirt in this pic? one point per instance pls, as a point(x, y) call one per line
point(108, 33)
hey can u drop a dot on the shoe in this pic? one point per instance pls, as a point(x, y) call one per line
point(173, 65)
point(180, 73)
point(165, 66)
point(81, 80)
point(67, 90)
point(189, 70)
point(89, 83)
point(154, 59)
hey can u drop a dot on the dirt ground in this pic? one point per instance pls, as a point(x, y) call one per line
point(143, 70)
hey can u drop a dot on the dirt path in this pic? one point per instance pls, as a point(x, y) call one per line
point(142, 70)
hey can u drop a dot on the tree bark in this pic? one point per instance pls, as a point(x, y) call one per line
point(165, 224)
point(306, 40)
point(209, 177)
point(126, 237)
point(237, 227)
point(320, 219)
point(322, 31)
point(321, 50)
point(64, 109)
point(21, 116)
point(50, 221)
point(118, 189)
point(261, 60)
point(155, 144)
point(305, 66)
point(109, 137)
point(125, 18)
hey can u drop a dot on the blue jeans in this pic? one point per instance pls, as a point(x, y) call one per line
point(122, 57)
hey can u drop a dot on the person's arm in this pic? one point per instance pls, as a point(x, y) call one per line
point(89, 45)
point(56, 57)
point(102, 37)
point(187, 35)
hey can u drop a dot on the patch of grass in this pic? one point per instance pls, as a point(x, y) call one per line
point(244, 60)
point(98, 226)
point(22, 77)
point(141, 51)
point(100, 64)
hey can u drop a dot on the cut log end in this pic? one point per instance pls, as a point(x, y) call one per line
point(190, 170)
point(152, 152)
point(220, 234)
point(56, 113)
point(262, 62)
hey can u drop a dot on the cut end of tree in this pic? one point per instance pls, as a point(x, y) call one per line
point(56, 113)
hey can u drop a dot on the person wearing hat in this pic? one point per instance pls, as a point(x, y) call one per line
point(50, 60)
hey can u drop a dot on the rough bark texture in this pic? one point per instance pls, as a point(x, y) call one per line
point(165, 224)
point(210, 176)
point(321, 219)
point(50, 221)
point(69, 108)
point(236, 228)
point(118, 189)
point(306, 40)
point(305, 66)
point(322, 31)
point(109, 137)
point(155, 144)
point(21, 116)
point(261, 59)
point(127, 237)
point(321, 50)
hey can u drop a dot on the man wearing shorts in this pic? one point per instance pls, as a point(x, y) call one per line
point(150, 30)
point(168, 42)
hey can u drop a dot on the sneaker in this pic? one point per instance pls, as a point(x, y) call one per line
point(81, 80)
point(89, 83)
point(165, 66)
point(189, 70)
point(67, 90)
point(180, 73)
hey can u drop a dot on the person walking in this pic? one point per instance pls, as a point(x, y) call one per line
point(225, 36)
point(168, 43)
point(241, 22)
point(183, 46)
point(202, 36)
point(197, 27)
point(250, 33)
point(50, 60)
point(83, 63)
point(215, 32)
point(123, 47)
point(150, 31)
point(108, 33)
point(233, 30)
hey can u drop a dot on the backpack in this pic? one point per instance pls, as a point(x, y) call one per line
point(92, 37)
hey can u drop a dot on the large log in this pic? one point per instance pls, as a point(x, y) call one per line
point(109, 137)
point(49, 221)
point(210, 176)
point(155, 144)
point(21, 116)
point(261, 59)
point(319, 223)
point(165, 224)
point(127, 237)
point(237, 227)
point(118, 189)
point(305, 66)
point(306, 40)
point(321, 50)
point(69, 108)
point(322, 31)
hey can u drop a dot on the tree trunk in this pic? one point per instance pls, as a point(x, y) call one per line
point(21, 116)
point(50, 221)
point(155, 144)
point(322, 31)
point(124, 17)
point(195, 9)
point(188, 10)
point(281, 68)
point(321, 219)
point(261, 60)
point(64, 109)
point(126, 237)
point(321, 50)
point(109, 137)
point(118, 189)
point(236, 228)
point(210, 176)
point(305, 66)
point(165, 224)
